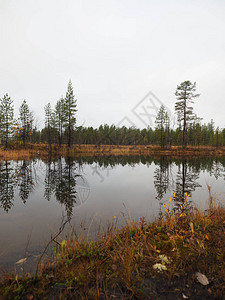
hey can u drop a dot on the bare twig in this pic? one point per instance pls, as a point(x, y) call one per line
point(26, 248)
point(62, 226)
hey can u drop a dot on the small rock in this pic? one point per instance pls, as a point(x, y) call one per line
point(202, 278)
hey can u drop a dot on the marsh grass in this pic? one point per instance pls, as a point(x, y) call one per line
point(43, 150)
point(142, 260)
point(11, 154)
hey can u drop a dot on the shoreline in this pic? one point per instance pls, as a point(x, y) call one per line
point(178, 256)
point(43, 150)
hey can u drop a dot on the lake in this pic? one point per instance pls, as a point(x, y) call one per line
point(36, 195)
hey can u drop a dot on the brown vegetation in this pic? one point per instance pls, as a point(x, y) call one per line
point(43, 150)
point(179, 256)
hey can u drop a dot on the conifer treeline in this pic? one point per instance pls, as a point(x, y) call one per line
point(197, 135)
point(60, 125)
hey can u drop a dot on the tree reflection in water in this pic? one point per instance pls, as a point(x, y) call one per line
point(62, 178)
point(25, 178)
point(186, 183)
point(161, 179)
point(6, 185)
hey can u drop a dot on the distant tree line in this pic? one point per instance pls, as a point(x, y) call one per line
point(206, 134)
point(60, 125)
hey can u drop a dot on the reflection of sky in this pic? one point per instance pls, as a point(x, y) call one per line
point(38, 218)
point(201, 195)
point(123, 187)
point(116, 191)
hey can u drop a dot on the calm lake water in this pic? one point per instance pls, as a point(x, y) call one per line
point(35, 195)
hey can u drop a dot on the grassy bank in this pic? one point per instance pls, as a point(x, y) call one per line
point(181, 256)
point(43, 150)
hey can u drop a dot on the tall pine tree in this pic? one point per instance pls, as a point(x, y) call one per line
point(26, 121)
point(185, 95)
point(69, 113)
point(59, 118)
point(49, 123)
point(7, 113)
point(162, 124)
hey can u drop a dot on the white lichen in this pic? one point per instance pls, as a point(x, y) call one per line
point(164, 259)
point(159, 267)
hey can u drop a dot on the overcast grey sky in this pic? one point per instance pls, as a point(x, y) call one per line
point(114, 52)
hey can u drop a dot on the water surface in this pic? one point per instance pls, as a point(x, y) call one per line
point(35, 195)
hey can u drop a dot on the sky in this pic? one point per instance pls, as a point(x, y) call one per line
point(124, 57)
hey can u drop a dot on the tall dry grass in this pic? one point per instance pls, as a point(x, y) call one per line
point(43, 150)
point(142, 259)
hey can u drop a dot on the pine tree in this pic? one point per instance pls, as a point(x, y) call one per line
point(185, 95)
point(7, 113)
point(60, 118)
point(161, 120)
point(49, 123)
point(26, 121)
point(69, 113)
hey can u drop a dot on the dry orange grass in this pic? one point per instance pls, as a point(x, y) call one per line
point(142, 260)
point(17, 154)
point(87, 150)
point(43, 150)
